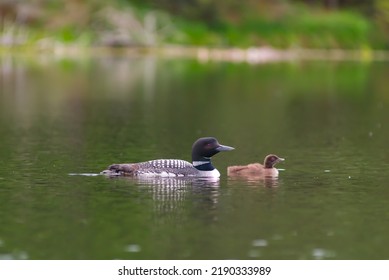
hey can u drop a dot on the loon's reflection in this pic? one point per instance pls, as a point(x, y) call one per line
point(173, 194)
point(173, 182)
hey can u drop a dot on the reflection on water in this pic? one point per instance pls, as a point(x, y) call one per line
point(253, 180)
point(132, 248)
point(170, 193)
point(63, 119)
point(176, 182)
point(319, 254)
point(85, 174)
point(255, 250)
point(14, 256)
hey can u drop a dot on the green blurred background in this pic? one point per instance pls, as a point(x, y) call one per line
point(285, 24)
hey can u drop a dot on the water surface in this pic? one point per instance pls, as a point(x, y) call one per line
point(63, 120)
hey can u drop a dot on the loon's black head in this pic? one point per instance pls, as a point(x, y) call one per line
point(204, 148)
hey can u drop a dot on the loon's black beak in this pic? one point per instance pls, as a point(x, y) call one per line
point(223, 148)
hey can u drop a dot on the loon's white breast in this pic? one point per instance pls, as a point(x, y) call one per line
point(209, 174)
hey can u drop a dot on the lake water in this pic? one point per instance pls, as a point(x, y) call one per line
point(64, 119)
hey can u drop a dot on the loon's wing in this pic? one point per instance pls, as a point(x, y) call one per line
point(166, 167)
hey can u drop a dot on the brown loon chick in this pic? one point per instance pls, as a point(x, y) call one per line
point(265, 170)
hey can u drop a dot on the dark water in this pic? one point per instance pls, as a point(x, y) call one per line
point(62, 119)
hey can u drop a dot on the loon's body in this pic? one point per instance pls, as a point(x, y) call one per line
point(163, 168)
point(257, 169)
point(202, 151)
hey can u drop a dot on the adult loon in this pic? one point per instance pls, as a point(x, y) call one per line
point(265, 170)
point(202, 151)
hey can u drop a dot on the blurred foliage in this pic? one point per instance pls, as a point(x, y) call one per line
point(350, 24)
point(382, 18)
point(274, 23)
point(281, 23)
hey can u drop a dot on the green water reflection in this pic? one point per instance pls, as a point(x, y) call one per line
point(65, 116)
